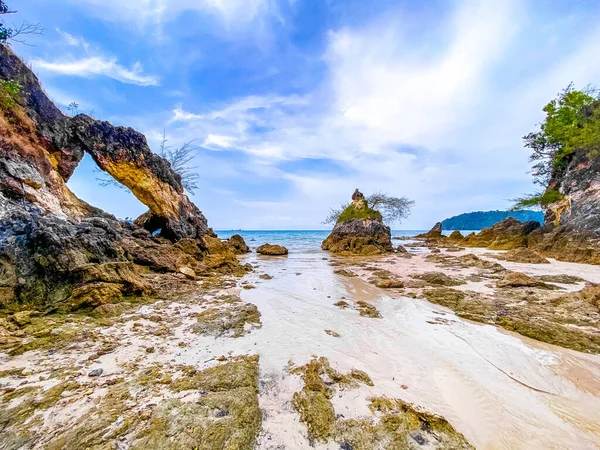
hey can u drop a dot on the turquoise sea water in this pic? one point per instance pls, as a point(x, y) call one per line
point(300, 240)
point(294, 240)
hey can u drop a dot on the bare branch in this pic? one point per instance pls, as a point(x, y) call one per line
point(392, 209)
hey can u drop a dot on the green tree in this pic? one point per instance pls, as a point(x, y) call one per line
point(572, 122)
point(392, 209)
point(15, 32)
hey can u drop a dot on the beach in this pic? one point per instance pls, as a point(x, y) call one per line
point(499, 389)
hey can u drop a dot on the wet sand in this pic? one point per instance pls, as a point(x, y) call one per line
point(500, 389)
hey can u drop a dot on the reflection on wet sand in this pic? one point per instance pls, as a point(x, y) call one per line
point(499, 389)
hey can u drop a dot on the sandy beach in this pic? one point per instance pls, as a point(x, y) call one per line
point(499, 389)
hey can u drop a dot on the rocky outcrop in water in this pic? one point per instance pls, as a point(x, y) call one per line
point(359, 231)
point(238, 245)
point(56, 251)
point(434, 233)
point(272, 250)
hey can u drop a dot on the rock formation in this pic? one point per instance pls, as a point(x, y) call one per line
point(571, 230)
point(434, 233)
point(272, 250)
point(506, 235)
point(58, 252)
point(238, 245)
point(359, 231)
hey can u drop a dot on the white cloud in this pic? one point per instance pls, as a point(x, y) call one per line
point(438, 118)
point(217, 142)
point(91, 66)
point(73, 41)
point(147, 12)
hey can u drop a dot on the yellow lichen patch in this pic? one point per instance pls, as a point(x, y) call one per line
point(313, 401)
point(226, 416)
point(17, 409)
point(394, 425)
point(234, 321)
point(368, 310)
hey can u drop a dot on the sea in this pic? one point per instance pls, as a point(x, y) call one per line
point(298, 240)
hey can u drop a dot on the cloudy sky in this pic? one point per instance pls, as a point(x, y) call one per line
point(294, 103)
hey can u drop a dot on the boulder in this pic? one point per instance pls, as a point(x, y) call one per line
point(238, 245)
point(434, 233)
point(517, 279)
point(189, 273)
point(21, 318)
point(506, 235)
point(359, 231)
point(456, 236)
point(272, 250)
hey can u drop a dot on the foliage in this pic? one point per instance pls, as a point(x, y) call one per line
point(479, 220)
point(73, 108)
point(14, 32)
point(536, 200)
point(180, 159)
point(572, 122)
point(392, 209)
point(9, 92)
point(364, 213)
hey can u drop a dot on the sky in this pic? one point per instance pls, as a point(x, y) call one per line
point(292, 104)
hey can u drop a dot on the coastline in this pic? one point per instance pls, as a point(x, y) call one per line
point(474, 375)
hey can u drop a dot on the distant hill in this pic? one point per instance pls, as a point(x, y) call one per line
point(482, 219)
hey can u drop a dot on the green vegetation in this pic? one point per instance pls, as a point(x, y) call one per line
point(9, 93)
point(14, 33)
point(478, 220)
point(537, 199)
point(359, 211)
point(572, 123)
point(395, 424)
point(380, 206)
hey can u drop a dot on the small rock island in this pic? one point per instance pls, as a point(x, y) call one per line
point(359, 231)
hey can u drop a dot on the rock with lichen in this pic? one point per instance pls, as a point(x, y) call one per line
point(506, 235)
point(238, 245)
point(56, 251)
point(359, 230)
point(434, 233)
point(272, 250)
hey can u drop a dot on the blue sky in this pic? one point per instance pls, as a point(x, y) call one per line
point(294, 103)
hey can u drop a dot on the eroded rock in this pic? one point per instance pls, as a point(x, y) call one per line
point(359, 231)
point(272, 250)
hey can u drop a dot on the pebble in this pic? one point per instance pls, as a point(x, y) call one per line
point(95, 373)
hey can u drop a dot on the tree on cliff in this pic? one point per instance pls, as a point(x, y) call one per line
point(392, 209)
point(181, 162)
point(15, 32)
point(572, 122)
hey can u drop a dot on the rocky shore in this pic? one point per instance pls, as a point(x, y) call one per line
point(158, 334)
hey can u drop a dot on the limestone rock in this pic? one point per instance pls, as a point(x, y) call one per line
point(523, 255)
point(272, 250)
point(456, 236)
point(359, 231)
point(21, 318)
point(506, 235)
point(189, 273)
point(56, 251)
point(238, 245)
point(517, 279)
point(434, 233)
